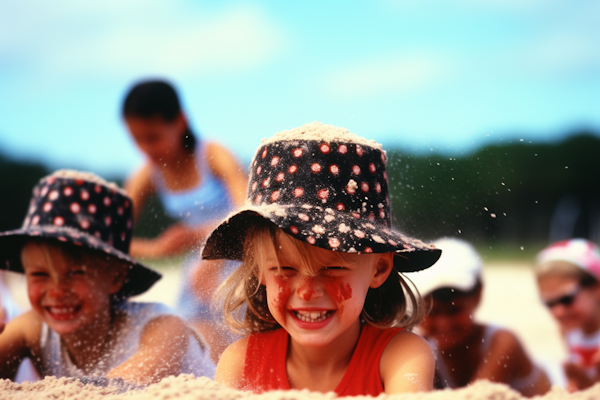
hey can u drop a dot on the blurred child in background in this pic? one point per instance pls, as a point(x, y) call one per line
point(198, 183)
point(73, 249)
point(567, 275)
point(466, 350)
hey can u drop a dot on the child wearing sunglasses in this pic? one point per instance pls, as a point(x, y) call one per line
point(567, 275)
point(467, 350)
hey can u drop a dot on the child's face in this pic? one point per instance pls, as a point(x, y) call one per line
point(450, 323)
point(159, 139)
point(570, 304)
point(315, 307)
point(70, 296)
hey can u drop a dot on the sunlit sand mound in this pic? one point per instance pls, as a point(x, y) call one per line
point(187, 387)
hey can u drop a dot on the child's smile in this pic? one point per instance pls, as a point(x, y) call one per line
point(62, 312)
point(316, 304)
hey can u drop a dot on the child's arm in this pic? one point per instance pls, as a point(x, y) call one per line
point(407, 364)
point(163, 343)
point(225, 166)
point(139, 187)
point(507, 360)
point(19, 339)
point(230, 368)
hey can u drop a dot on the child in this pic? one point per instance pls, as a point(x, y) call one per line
point(198, 183)
point(73, 249)
point(319, 289)
point(567, 275)
point(466, 350)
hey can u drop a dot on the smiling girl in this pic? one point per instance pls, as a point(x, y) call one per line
point(73, 250)
point(320, 289)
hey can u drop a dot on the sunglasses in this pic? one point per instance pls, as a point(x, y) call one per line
point(565, 300)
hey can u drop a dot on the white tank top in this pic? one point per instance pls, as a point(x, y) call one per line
point(55, 360)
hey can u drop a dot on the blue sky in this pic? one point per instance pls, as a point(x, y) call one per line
point(444, 75)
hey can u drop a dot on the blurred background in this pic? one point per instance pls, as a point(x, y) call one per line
point(489, 109)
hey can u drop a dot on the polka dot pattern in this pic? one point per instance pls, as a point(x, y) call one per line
point(326, 188)
point(85, 206)
point(308, 177)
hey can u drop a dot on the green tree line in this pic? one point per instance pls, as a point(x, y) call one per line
point(502, 192)
point(506, 192)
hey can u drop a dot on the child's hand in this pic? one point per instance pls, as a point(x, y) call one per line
point(2, 318)
point(174, 240)
point(577, 378)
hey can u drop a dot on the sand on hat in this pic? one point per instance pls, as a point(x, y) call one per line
point(321, 132)
point(87, 176)
point(187, 387)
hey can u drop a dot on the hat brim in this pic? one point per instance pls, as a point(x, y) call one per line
point(358, 235)
point(139, 277)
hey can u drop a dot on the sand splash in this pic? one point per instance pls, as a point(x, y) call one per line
point(187, 387)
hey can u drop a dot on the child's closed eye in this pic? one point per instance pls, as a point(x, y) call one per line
point(38, 274)
point(334, 271)
point(283, 270)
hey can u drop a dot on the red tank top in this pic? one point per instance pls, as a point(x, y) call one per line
point(264, 367)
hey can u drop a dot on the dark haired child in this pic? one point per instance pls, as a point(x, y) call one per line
point(567, 276)
point(320, 289)
point(466, 350)
point(73, 250)
point(198, 182)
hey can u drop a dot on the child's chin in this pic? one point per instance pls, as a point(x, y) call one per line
point(64, 328)
point(63, 325)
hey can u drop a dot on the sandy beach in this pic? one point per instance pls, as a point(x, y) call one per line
point(510, 300)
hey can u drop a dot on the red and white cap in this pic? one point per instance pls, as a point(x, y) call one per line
point(580, 252)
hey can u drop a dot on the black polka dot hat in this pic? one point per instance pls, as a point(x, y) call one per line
point(84, 210)
point(324, 186)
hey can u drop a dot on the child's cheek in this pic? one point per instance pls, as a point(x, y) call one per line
point(34, 293)
point(279, 299)
point(339, 290)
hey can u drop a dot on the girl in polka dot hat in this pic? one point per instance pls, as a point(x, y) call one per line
point(320, 288)
point(73, 249)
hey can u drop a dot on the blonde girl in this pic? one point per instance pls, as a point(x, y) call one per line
point(320, 291)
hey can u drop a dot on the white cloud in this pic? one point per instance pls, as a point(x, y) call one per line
point(120, 38)
point(385, 75)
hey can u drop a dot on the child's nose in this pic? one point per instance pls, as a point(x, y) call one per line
point(309, 289)
point(58, 289)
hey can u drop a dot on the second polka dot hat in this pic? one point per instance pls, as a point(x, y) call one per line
point(324, 186)
point(81, 209)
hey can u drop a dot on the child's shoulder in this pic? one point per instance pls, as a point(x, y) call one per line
point(26, 329)
point(230, 368)
point(150, 316)
point(407, 354)
point(406, 342)
point(500, 340)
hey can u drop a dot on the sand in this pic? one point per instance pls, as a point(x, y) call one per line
point(187, 387)
point(510, 300)
point(322, 133)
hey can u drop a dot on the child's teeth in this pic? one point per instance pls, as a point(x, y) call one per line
point(61, 310)
point(313, 316)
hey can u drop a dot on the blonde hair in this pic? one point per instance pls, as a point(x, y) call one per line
point(394, 303)
point(564, 269)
